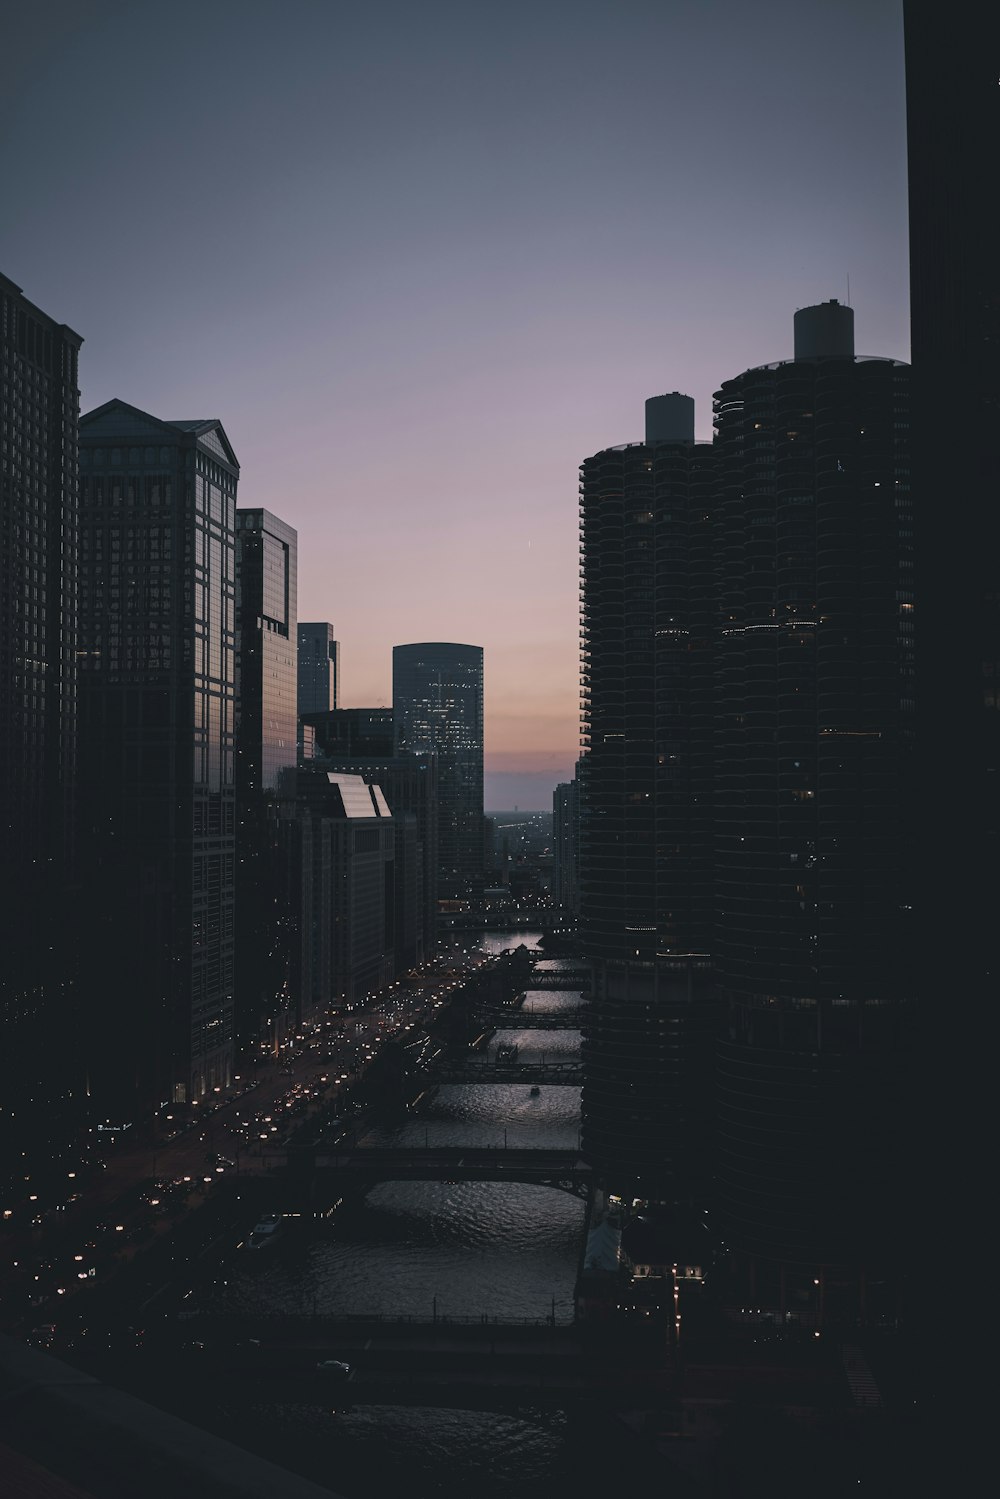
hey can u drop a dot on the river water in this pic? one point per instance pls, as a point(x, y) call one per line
point(446, 1249)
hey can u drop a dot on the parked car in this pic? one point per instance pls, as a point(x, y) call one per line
point(334, 1368)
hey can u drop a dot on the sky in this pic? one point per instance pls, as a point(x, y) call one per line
point(421, 257)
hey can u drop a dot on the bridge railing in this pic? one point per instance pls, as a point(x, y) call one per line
point(289, 1322)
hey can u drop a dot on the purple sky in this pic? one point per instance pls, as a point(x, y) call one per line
point(422, 258)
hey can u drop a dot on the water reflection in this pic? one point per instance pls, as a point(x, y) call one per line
point(419, 1249)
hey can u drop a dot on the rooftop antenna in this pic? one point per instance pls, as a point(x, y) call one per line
point(848, 288)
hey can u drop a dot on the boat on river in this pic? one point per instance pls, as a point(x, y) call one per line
point(265, 1231)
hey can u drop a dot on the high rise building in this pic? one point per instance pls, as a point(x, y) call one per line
point(747, 802)
point(951, 114)
point(814, 700)
point(319, 668)
point(348, 893)
point(437, 702)
point(645, 798)
point(360, 741)
point(39, 424)
point(266, 731)
point(157, 752)
point(566, 844)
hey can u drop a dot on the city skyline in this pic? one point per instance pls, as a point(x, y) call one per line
point(425, 268)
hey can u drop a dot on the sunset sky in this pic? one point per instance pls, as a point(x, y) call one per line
point(422, 258)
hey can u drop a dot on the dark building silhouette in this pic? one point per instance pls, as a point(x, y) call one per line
point(360, 741)
point(747, 815)
point(813, 809)
point(645, 795)
point(39, 425)
point(266, 733)
point(952, 101)
point(437, 700)
point(157, 753)
point(347, 892)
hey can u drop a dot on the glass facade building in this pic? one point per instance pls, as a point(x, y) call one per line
point(157, 656)
point(266, 593)
point(266, 733)
point(318, 667)
point(437, 702)
point(39, 424)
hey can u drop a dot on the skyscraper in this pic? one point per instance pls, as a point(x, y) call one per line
point(348, 894)
point(157, 751)
point(319, 668)
point(814, 743)
point(437, 702)
point(747, 803)
point(565, 844)
point(951, 114)
point(39, 424)
point(645, 796)
point(266, 732)
point(951, 124)
point(361, 741)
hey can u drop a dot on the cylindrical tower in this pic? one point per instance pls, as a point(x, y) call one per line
point(670, 418)
point(825, 331)
point(813, 750)
point(644, 853)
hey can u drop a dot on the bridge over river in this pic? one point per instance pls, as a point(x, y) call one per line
point(536, 1020)
point(335, 1172)
point(473, 1070)
point(577, 977)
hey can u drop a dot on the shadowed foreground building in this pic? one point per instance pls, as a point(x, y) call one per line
point(157, 772)
point(814, 827)
point(360, 742)
point(39, 424)
point(645, 834)
point(347, 896)
point(747, 796)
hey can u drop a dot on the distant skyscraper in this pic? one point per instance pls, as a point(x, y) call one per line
point(645, 797)
point(267, 570)
point(437, 700)
point(266, 732)
point(39, 423)
point(319, 668)
point(157, 773)
point(566, 844)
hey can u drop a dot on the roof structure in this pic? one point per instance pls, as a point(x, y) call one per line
point(120, 419)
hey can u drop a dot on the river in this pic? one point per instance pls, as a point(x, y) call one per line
point(446, 1249)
